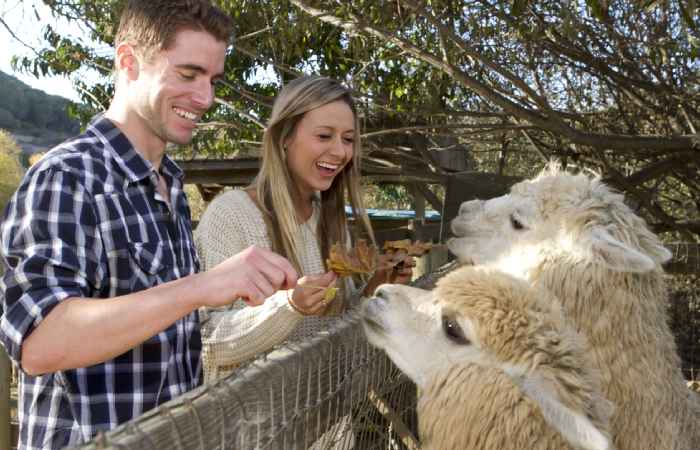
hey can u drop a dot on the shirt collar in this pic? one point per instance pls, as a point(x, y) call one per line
point(135, 166)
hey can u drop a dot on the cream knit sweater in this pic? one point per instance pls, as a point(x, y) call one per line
point(236, 333)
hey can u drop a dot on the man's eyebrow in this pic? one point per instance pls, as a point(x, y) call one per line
point(199, 69)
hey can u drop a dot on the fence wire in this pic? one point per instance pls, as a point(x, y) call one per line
point(332, 392)
point(686, 258)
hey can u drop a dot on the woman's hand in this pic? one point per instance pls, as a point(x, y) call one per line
point(402, 272)
point(309, 295)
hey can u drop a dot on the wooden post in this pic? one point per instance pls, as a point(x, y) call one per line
point(5, 380)
point(418, 202)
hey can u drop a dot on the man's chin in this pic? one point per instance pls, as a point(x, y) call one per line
point(179, 139)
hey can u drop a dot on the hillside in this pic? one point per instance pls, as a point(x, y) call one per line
point(36, 120)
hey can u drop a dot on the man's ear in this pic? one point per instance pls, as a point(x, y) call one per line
point(126, 61)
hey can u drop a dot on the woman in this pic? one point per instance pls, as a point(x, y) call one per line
point(296, 207)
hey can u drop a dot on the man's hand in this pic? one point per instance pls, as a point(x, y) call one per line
point(252, 275)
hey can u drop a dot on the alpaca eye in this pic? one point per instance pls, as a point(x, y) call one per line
point(516, 224)
point(453, 331)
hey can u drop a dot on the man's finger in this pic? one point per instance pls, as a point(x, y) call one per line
point(283, 265)
point(253, 297)
point(263, 284)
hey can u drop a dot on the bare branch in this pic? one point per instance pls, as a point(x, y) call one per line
point(240, 113)
point(622, 143)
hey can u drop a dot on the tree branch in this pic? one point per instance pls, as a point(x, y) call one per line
point(622, 143)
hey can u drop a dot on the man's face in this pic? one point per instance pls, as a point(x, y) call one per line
point(176, 87)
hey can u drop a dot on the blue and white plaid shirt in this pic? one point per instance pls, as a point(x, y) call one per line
point(87, 221)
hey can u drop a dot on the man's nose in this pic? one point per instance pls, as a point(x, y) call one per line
point(203, 95)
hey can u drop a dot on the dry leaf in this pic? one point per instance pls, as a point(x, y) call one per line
point(360, 259)
point(329, 294)
point(416, 248)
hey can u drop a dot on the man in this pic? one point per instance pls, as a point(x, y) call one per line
point(101, 289)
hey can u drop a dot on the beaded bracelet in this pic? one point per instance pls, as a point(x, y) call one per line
point(295, 307)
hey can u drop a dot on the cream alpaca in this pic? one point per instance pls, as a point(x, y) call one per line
point(573, 235)
point(496, 365)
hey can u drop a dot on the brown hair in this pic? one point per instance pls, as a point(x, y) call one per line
point(151, 25)
point(275, 188)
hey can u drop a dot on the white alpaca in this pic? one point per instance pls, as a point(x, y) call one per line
point(572, 235)
point(496, 365)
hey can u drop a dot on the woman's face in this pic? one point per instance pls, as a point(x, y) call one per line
point(320, 147)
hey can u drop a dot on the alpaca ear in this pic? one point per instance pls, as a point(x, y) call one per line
point(617, 255)
point(574, 426)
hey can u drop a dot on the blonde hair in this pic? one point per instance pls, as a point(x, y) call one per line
point(276, 197)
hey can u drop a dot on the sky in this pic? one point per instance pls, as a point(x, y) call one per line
point(21, 17)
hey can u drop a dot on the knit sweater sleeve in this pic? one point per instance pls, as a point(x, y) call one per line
point(237, 333)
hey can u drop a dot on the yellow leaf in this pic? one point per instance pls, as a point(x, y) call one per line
point(330, 294)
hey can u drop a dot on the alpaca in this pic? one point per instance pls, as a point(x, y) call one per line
point(496, 365)
point(573, 235)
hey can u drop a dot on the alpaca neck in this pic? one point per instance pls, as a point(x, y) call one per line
point(470, 407)
point(618, 312)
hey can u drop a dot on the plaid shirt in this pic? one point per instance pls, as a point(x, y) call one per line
point(87, 221)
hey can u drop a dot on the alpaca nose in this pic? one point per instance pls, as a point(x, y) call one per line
point(390, 292)
point(382, 292)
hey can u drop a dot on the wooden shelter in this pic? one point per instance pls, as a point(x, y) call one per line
point(212, 175)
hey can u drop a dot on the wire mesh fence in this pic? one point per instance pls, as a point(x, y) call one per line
point(318, 395)
point(333, 392)
point(684, 304)
point(686, 258)
point(336, 391)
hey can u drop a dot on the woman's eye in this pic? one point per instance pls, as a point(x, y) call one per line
point(349, 140)
point(516, 224)
point(324, 136)
point(186, 76)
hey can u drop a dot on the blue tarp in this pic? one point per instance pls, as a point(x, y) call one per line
point(392, 214)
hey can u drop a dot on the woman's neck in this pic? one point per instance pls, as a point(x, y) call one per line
point(305, 208)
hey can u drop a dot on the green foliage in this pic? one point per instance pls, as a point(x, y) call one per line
point(608, 85)
point(196, 202)
point(386, 196)
point(519, 7)
point(10, 169)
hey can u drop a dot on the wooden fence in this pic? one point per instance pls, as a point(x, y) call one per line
point(6, 404)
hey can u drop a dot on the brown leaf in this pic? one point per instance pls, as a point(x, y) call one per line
point(416, 248)
point(360, 259)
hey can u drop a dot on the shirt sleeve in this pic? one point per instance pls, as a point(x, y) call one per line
point(237, 333)
point(50, 248)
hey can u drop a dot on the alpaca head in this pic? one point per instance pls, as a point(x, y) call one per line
point(480, 318)
point(556, 214)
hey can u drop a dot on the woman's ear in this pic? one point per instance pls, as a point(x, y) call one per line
point(126, 61)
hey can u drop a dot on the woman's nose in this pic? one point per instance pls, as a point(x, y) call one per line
point(340, 148)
